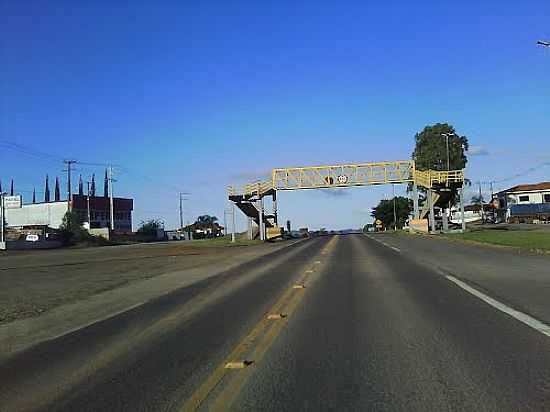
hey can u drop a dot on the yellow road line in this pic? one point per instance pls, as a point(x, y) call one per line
point(289, 300)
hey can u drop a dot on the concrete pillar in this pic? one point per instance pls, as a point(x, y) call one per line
point(416, 210)
point(462, 209)
point(261, 212)
point(432, 213)
point(445, 221)
point(250, 229)
point(275, 207)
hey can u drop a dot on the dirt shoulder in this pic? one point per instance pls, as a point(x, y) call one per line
point(35, 282)
point(81, 293)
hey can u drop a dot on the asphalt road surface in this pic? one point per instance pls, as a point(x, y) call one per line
point(354, 326)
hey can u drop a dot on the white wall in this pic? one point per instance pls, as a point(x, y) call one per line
point(534, 197)
point(48, 214)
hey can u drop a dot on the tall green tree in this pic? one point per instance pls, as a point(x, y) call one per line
point(71, 230)
point(384, 211)
point(430, 150)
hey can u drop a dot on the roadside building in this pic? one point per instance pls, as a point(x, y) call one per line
point(44, 216)
point(527, 203)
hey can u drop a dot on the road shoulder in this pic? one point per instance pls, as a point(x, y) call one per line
point(24, 333)
point(522, 281)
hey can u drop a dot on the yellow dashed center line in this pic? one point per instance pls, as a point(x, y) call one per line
point(259, 340)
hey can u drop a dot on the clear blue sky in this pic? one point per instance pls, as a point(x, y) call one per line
point(198, 95)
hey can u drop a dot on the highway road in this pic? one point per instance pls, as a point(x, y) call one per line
point(336, 323)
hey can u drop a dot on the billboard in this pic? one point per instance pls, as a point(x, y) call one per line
point(13, 202)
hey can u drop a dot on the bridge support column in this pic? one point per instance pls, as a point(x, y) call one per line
point(275, 207)
point(416, 211)
point(249, 231)
point(462, 208)
point(262, 226)
point(445, 220)
point(432, 213)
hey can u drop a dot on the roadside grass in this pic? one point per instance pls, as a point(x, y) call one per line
point(524, 239)
point(222, 242)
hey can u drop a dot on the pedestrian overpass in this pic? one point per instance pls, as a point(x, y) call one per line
point(439, 186)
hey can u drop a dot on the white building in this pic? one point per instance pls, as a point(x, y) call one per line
point(50, 214)
point(525, 203)
point(37, 214)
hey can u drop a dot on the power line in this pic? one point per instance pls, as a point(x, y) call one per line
point(517, 175)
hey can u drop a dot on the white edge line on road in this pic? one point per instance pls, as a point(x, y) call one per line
point(522, 317)
point(384, 243)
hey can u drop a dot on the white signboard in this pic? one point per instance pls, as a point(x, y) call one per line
point(12, 202)
point(342, 179)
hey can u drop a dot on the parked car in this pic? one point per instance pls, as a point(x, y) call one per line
point(32, 238)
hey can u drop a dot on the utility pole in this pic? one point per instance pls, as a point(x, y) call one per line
point(69, 164)
point(2, 239)
point(462, 208)
point(181, 211)
point(182, 220)
point(492, 208)
point(233, 223)
point(394, 210)
point(111, 200)
point(481, 203)
point(88, 206)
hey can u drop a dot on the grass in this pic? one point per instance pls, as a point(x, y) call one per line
point(221, 242)
point(530, 240)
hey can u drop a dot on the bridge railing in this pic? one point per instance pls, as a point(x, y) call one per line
point(315, 177)
point(251, 189)
point(348, 175)
point(430, 178)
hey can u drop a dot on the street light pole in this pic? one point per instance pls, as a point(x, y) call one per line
point(447, 135)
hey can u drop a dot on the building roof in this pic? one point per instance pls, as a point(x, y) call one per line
point(529, 187)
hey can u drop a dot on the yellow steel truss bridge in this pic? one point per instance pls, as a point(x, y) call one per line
point(349, 175)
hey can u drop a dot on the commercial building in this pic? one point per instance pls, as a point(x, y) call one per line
point(49, 215)
point(528, 203)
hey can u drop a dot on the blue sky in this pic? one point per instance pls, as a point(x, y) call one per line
point(193, 96)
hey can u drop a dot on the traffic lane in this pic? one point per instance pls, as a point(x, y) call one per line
point(380, 332)
point(520, 280)
point(145, 358)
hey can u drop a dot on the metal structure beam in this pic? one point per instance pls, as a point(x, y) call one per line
point(348, 175)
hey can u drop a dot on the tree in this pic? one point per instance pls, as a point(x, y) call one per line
point(384, 211)
point(71, 230)
point(57, 193)
point(150, 227)
point(206, 221)
point(430, 151)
